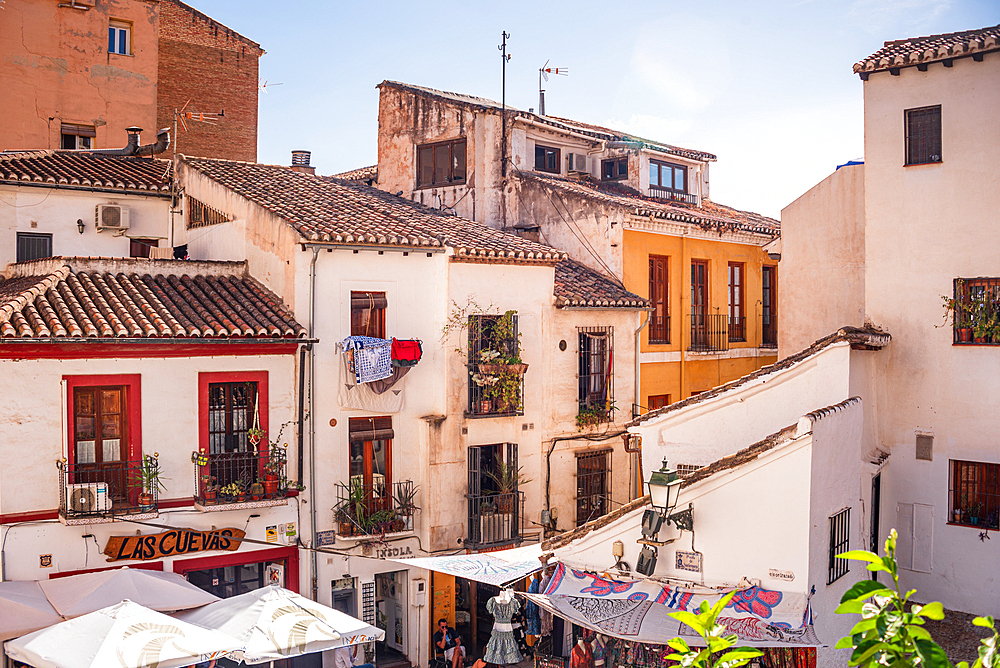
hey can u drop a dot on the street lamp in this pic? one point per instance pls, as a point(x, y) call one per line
point(664, 488)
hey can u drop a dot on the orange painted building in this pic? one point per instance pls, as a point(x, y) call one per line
point(76, 74)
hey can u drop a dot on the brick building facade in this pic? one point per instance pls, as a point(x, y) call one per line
point(215, 68)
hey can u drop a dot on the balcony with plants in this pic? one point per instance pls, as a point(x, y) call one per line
point(973, 311)
point(496, 510)
point(251, 478)
point(106, 491)
point(377, 510)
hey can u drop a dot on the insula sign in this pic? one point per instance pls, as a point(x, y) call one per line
point(172, 543)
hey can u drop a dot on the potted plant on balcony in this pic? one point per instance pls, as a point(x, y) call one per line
point(508, 478)
point(404, 497)
point(959, 313)
point(274, 468)
point(256, 491)
point(973, 513)
point(210, 489)
point(150, 481)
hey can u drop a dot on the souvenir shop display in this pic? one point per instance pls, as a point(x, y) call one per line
point(598, 648)
point(502, 648)
point(581, 655)
point(533, 621)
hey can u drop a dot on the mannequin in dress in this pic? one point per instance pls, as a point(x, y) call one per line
point(597, 648)
point(581, 656)
point(502, 647)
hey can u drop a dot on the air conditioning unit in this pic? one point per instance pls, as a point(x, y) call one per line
point(112, 217)
point(88, 498)
point(578, 162)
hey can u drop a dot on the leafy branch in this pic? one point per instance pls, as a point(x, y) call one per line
point(715, 636)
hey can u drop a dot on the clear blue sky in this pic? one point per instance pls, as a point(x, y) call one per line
point(767, 87)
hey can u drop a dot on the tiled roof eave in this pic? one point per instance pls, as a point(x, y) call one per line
point(163, 192)
point(930, 49)
point(877, 65)
point(710, 221)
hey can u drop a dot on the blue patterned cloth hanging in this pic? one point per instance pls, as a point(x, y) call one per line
point(372, 357)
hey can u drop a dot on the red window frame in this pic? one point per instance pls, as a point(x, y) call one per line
point(207, 378)
point(133, 409)
point(659, 298)
point(289, 554)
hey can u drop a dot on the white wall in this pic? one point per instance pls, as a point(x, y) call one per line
point(169, 389)
point(55, 211)
point(927, 225)
point(722, 425)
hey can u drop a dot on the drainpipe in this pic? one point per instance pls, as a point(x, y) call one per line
point(313, 561)
point(633, 457)
point(683, 261)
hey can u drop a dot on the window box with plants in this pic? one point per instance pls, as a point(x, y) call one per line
point(591, 416)
point(493, 356)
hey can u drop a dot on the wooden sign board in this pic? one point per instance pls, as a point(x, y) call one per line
point(172, 543)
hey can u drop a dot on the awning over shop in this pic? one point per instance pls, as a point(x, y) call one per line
point(274, 623)
point(126, 635)
point(639, 610)
point(495, 568)
point(649, 622)
point(24, 608)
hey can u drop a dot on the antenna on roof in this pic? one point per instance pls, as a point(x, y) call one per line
point(504, 56)
point(262, 85)
point(182, 116)
point(543, 73)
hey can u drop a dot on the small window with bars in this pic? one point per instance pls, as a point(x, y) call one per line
point(593, 485)
point(33, 246)
point(596, 372)
point(200, 214)
point(496, 373)
point(684, 470)
point(840, 538)
point(975, 311)
point(923, 135)
point(974, 491)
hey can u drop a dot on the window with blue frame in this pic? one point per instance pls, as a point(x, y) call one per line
point(120, 38)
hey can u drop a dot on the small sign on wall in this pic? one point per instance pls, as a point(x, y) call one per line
point(787, 576)
point(45, 561)
point(687, 561)
point(271, 533)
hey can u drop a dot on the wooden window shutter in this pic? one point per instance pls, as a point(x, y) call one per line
point(368, 300)
point(370, 429)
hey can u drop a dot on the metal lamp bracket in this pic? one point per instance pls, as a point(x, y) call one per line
point(683, 520)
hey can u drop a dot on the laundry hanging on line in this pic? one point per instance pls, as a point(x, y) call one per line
point(372, 357)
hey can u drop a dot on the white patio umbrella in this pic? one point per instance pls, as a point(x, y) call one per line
point(125, 635)
point(24, 608)
point(273, 623)
point(79, 594)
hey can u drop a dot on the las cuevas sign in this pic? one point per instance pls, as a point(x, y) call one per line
point(172, 543)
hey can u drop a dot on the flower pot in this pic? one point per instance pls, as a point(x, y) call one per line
point(253, 438)
point(211, 494)
point(270, 486)
point(241, 497)
point(485, 406)
point(979, 339)
point(146, 500)
point(964, 334)
point(496, 369)
point(505, 504)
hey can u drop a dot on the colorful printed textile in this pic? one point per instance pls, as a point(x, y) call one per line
point(776, 608)
point(495, 568)
point(647, 622)
point(532, 620)
point(502, 647)
point(372, 357)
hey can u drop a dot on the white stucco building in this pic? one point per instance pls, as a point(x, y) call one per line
point(119, 372)
point(886, 242)
point(353, 260)
point(73, 203)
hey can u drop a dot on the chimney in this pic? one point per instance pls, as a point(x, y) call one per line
point(300, 162)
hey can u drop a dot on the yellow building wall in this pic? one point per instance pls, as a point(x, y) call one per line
point(688, 373)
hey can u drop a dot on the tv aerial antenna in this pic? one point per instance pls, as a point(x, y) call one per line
point(183, 115)
point(543, 73)
point(262, 85)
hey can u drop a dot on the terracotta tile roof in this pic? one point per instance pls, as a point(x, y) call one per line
point(708, 214)
point(331, 210)
point(595, 131)
point(114, 298)
point(932, 48)
point(863, 338)
point(367, 175)
point(577, 285)
point(86, 171)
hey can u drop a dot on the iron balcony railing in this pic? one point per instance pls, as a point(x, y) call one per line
point(709, 332)
point(377, 509)
point(659, 329)
point(976, 311)
point(106, 490)
point(495, 519)
point(237, 477)
point(663, 193)
point(769, 331)
point(737, 330)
